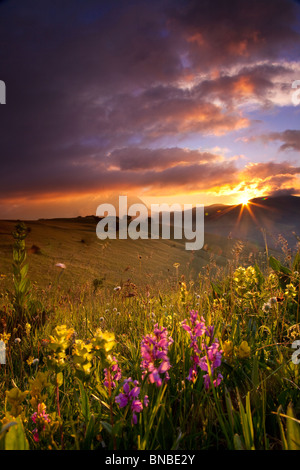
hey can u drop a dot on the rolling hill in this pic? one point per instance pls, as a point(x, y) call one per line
point(109, 263)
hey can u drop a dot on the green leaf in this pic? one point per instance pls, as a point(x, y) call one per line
point(6, 427)
point(282, 272)
point(107, 426)
point(24, 270)
point(89, 434)
point(259, 276)
point(282, 434)
point(59, 379)
point(84, 402)
point(15, 438)
point(217, 292)
point(293, 430)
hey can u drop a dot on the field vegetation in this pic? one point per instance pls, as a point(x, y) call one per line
point(156, 348)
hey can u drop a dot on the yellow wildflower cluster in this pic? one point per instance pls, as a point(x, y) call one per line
point(27, 329)
point(290, 291)
point(82, 356)
point(59, 342)
point(15, 397)
point(5, 337)
point(245, 281)
point(242, 351)
point(82, 352)
point(37, 387)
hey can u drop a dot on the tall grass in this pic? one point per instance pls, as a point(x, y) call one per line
point(59, 387)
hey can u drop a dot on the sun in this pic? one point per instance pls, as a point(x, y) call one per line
point(245, 201)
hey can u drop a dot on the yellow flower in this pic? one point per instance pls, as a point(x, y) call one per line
point(103, 340)
point(27, 329)
point(30, 360)
point(15, 398)
point(228, 348)
point(290, 291)
point(244, 350)
point(37, 386)
point(5, 337)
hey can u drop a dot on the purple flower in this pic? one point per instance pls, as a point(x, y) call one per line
point(130, 395)
point(115, 374)
point(216, 382)
point(201, 353)
point(155, 360)
point(213, 355)
point(40, 418)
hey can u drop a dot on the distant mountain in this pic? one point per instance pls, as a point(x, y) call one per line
point(276, 215)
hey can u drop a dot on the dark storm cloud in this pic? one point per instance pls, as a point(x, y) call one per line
point(221, 32)
point(90, 79)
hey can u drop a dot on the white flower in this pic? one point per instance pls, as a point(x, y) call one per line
point(61, 265)
point(18, 340)
point(117, 288)
point(266, 307)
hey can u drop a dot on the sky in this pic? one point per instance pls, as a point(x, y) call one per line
point(185, 101)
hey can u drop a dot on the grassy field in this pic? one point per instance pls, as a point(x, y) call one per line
point(144, 345)
point(74, 243)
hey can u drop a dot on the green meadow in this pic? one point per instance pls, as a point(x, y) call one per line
point(142, 345)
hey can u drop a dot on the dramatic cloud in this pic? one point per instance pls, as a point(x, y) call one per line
point(271, 177)
point(132, 96)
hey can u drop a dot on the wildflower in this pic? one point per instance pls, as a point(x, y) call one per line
point(82, 357)
point(216, 382)
point(18, 340)
point(30, 360)
point(58, 344)
point(103, 341)
point(203, 356)
point(37, 386)
point(61, 265)
point(228, 348)
point(130, 395)
point(40, 419)
point(15, 398)
point(196, 330)
point(115, 374)
point(245, 281)
point(27, 329)
point(290, 291)
point(117, 288)
point(5, 337)
point(154, 351)
point(244, 350)
point(213, 356)
point(266, 307)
